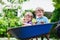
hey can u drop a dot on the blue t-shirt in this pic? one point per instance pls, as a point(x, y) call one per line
point(42, 19)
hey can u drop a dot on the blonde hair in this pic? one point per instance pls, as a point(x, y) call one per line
point(29, 14)
point(39, 9)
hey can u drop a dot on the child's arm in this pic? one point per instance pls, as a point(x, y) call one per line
point(46, 20)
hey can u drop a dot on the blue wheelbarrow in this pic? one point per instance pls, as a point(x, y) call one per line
point(33, 31)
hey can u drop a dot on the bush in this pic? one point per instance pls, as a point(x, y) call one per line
point(55, 18)
point(10, 13)
point(9, 20)
point(56, 15)
point(3, 26)
point(48, 14)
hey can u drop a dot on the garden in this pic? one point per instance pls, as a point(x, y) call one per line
point(9, 17)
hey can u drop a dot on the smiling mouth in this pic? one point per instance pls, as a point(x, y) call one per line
point(39, 15)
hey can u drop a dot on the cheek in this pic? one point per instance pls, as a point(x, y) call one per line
point(42, 14)
point(26, 18)
point(30, 18)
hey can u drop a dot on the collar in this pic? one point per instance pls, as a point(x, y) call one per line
point(39, 18)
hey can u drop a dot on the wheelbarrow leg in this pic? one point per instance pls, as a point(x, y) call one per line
point(47, 36)
point(42, 37)
point(36, 38)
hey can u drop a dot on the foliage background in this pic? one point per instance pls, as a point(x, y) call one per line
point(55, 16)
point(10, 19)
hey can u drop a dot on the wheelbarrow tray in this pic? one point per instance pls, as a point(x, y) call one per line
point(30, 31)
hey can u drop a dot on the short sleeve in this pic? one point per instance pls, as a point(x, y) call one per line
point(46, 20)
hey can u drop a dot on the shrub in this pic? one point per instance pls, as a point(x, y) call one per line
point(55, 18)
point(3, 26)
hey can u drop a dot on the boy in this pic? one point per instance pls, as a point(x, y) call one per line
point(41, 19)
point(39, 12)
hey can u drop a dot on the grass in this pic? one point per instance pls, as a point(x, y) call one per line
point(33, 39)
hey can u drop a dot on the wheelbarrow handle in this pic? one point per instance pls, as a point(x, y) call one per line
point(56, 22)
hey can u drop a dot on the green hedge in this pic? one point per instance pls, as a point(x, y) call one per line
point(4, 24)
point(55, 18)
point(10, 19)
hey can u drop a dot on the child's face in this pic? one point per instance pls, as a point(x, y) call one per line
point(28, 18)
point(39, 14)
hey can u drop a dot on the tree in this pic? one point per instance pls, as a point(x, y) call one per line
point(56, 3)
point(56, 15)
point(10, 18)
point(1, 2)
point(18, 1)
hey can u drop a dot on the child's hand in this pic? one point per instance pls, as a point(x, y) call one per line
point(42, 22)
point(25, 24)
